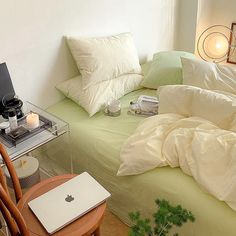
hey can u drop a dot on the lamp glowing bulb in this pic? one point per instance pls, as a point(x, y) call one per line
point(216, 45)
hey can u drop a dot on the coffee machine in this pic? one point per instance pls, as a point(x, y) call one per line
point(8, 101)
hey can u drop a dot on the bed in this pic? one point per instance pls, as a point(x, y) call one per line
point(95, 146)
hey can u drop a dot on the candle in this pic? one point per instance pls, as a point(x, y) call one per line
point(32, 120)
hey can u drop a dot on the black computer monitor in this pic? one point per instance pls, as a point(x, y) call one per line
point(7, 91)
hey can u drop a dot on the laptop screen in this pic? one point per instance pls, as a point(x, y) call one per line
point(6, 87)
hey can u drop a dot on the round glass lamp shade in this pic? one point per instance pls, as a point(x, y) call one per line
point(216, 45)
point(213, 44)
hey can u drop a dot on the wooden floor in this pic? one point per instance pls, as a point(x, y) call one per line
point(112, 226)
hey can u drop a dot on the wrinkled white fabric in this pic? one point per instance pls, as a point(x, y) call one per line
point(208, 75)
point(216, 106)
point(196, 144)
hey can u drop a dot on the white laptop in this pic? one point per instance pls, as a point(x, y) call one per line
point(72, 199)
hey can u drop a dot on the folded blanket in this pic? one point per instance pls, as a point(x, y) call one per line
point(196, 131)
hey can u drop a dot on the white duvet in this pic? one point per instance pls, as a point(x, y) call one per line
point(195, 130)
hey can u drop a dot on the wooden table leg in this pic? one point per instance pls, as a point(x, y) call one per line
point(97, 232)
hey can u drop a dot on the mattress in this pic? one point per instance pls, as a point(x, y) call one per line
point(95, 147)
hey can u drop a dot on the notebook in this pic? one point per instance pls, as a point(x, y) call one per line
point(73, 199)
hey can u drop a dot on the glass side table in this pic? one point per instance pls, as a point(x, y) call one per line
point(49, 144)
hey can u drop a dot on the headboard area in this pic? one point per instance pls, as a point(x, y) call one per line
point(32, 37)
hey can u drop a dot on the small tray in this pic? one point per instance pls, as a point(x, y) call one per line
point(22, 133)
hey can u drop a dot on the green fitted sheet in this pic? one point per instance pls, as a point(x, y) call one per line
point(95, 147)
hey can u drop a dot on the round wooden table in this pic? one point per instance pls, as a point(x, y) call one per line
point(88, 224)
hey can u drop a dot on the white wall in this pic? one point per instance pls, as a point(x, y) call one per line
point(186, 25)
point(223, 12)
point(203, 15)
point(32, 43)
point(213, 12)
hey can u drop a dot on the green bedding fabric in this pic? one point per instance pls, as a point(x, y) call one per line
point(166, 68)
point(95, 146)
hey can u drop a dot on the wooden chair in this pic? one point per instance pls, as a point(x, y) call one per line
point(20, 219)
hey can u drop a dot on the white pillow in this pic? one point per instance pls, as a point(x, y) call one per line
point(96, 96)
point(189, 101)
point(208, 75)
point(105, 58)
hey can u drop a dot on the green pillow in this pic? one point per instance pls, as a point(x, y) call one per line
point(146, 67)
point(165, 69)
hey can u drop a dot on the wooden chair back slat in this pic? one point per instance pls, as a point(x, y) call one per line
point(3, 181)
point(12, 172)
point(12, 215)
point(6, 214)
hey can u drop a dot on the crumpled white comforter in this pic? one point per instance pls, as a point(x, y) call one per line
point(195, 130)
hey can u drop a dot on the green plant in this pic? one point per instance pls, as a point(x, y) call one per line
point(165, 218)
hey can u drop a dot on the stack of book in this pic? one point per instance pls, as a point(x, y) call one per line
point(144, 106)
